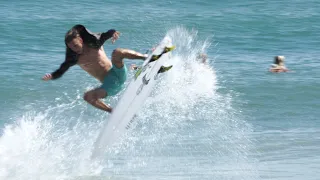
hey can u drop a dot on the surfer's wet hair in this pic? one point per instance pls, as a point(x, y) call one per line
point(71, 34)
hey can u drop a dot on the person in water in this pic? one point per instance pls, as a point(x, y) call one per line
point(202, 57)
point(85, 49)
point(278, 65)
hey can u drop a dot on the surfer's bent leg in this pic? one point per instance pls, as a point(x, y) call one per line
point(93, 97)
point(114, 80)
point(119, 54)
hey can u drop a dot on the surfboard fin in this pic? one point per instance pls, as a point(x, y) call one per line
point(165, 50)
point(164, 69)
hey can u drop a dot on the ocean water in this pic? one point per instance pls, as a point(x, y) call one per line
point(227, 119)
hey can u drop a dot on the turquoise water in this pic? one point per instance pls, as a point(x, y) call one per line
point(229, 119)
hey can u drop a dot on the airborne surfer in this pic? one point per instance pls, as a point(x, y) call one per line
point(86, 49)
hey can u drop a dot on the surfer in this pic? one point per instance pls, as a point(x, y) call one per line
point(86, 49)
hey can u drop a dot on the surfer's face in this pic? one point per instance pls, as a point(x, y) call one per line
point(76, 45)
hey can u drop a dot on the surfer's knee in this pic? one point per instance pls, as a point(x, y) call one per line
point(118, 50)
point(117, 57)
point(93, 95)
point(118, 53)
point(87, 96)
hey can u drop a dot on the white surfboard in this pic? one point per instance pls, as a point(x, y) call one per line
point(137, 92)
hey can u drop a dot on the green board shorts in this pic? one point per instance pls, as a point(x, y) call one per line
point(113, 82)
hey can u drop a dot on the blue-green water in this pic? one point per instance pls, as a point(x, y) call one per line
point(229, 119)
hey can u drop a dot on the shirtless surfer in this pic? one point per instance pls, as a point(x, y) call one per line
point(86, 49)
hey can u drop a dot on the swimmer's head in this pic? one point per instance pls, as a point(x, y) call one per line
point(279, 60)
point(202, 57)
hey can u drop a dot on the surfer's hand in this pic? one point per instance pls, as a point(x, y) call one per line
point(115, 36)
point(47, 77)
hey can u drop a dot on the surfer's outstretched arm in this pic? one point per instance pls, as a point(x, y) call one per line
point(71, 60)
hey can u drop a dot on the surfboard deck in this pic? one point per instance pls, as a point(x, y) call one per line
point(138, 90)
